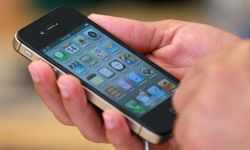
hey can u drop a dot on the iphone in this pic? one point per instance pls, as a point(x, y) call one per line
point(113, 74)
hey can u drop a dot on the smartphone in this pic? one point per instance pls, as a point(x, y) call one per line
point(112, 73)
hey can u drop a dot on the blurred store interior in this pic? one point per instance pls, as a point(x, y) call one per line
point(25, 123)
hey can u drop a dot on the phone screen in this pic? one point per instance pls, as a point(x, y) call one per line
point(112, 69)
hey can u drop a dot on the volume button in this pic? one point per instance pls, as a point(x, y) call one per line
point(28, 53)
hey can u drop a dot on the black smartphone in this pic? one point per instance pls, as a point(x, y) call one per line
point(113, 74)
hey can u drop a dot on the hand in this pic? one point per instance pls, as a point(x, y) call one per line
point(213, 102)
point(174, 45)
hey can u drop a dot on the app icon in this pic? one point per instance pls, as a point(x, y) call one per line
point(95, 80)
point(106, 72)
point(112, 91)
point(110, 47)
point(135, 106)
point(92, 34)
point(88, 60)
point(135, 77)
point(61, 56)
point(166, 85)
point(156, 92)
point(82, 41)
point(99, 53)
point(77, 67)
point(71, 48)
point(124, 85)
point(147, 71)
point(117, 65)
point(144, 98)
point(128, 58)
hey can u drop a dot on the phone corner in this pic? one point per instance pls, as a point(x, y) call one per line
point(16, 44)
point(152, 137)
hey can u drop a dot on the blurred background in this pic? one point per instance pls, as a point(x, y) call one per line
point(25, 123)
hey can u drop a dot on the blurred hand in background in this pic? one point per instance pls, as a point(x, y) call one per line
point(173, 45)
point(213, 102)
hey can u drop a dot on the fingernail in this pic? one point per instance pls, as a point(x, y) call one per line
point(64, 91)
point(108, 120)
point(34, 75)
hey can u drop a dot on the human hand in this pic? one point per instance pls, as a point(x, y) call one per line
point(174, 45)
point(213, 102)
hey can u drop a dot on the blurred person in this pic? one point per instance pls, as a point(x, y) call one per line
point(232, 15)
point(212, 101)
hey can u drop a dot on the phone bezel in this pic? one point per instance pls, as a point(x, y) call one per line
point(68, 20)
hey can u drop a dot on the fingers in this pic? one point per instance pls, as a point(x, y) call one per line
point(142, 36)
point(82, 114)
point(118, 132)
point(44, 80)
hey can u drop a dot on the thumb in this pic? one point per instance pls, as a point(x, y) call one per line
point(141, 36)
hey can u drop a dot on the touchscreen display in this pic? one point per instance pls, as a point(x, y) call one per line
point(111, 69)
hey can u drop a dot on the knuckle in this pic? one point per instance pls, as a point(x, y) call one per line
point(90, 138)
point(64, 122)
point(94, 139)
point(96, 135)
point(171, 22)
